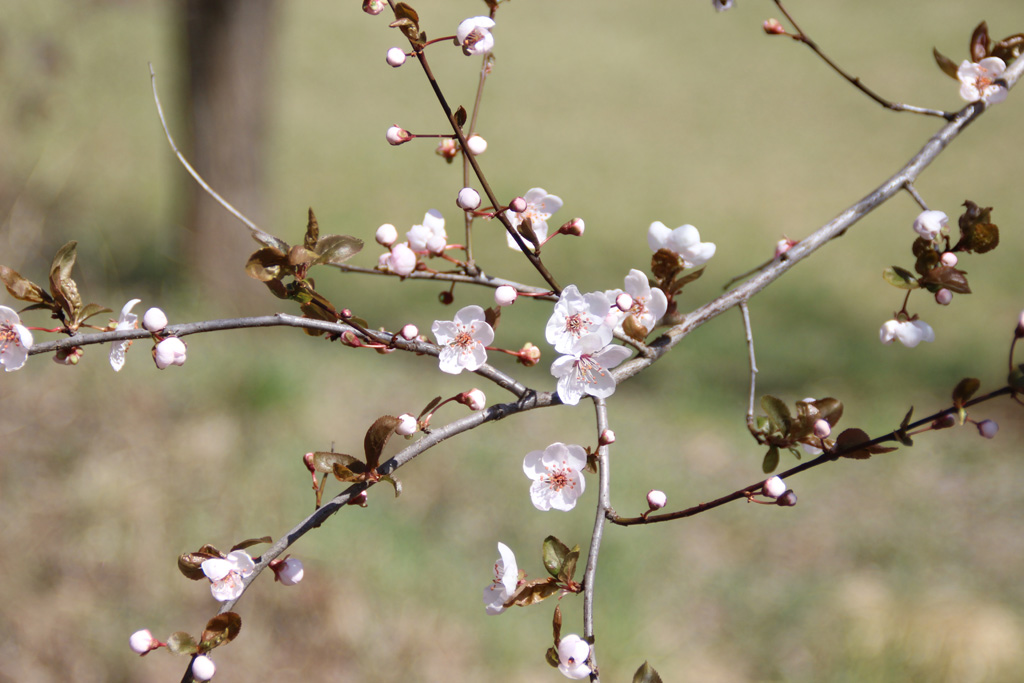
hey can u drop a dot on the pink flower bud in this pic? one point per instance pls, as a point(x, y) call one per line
point(773, 487)
point(386, 235)
point(374, 7)
point(154, 320)
point(624, 302)
point(288, 571)
point(170, 351)
point(203, 668)
point(402, 259)
point(406, 425)
point(358, 499)
point(468, 199)
point(474, 399)
point(436, 244)
point(447, 149)
point(476, 144)
point(518, 205)
point(656, 499)
point(930, 224)
point(397, 136)
point(943, 297)
point(1019, 332)
point(822, 429)
point(949, 259)
point(988, 428)
point(142, 642)
point(307, 460)
point(607, 438)
point(529, 355)
point(396, 57)
point(784, 245)
point(787, 499)
point(505, 295)
point(773, 27)
point(69, 356)
point(409, 332)
point(575, 227)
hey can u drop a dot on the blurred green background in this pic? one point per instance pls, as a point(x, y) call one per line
point(905, 567)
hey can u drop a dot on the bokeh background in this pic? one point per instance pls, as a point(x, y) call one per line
point(904, 567)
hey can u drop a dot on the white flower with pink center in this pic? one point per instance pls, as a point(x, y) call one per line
point(585, 370)
point(433, 227)
point(648, 304)
point(557, 474)
point(15, 340)
point(577, 315)
point(474, 36)
point(226, 574)
point(463, 341)
point(573, 653)
point(978, 80)
point(539, 207)
point(506, 578)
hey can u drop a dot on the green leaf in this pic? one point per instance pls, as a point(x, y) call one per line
point(900, 278)
point(556, 624)
point(222, 629)
point(324, 461)
point(430, 406)
point(646, 674)
point(336, 249)
point(267, 264)
point(568, 570)
point(948, 66)
point(906, 418)
point(181, 643)
point(377, 437)
point(312, 232)
point(554, 553)
point(777, 412)
point(250, 542)
point(90, 310)
point(771, 460)
point(964, 389)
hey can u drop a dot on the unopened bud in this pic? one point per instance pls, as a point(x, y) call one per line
point(447, 149)
point(784, 245)
point(949, 259)
point(446, 298)
point(944, 422)
point(575, 227)
point(505, 295)
point(787, 499)
point(656, 499)
point(397, 136)
point(406, 425)
point(517, 205)
point(624, 302)
point(142, 642)
point(386, 235)
point(930, 224)
point(288, 571)
point(943, 297)
point(476, 144)
point(772, 27)
point(154, 320)
point(359, 499)
point(409, 332)
point(988, 428)
point(822, 429)
point(474, 399)
point(607, 438)
point(203, 668)
point(170, 351)
point(1019, 332)
point(396, 57)
point(468, 199)
point(773, 487)
point(69, 356)
point(374, 7)
point(436, 244)
point(529, 355)
point(307, 460)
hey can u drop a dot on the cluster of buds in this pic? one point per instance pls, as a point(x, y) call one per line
point(776, 489)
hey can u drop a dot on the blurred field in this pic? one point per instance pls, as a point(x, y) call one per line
point(905, 567)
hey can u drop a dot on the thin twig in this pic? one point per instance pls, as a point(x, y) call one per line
point(603, 507)
point(749, 333)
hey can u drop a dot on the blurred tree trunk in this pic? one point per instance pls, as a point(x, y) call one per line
point(228, 48)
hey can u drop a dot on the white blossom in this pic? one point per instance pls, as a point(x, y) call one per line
point(978, 80)
point(930, 224)
point(557, 474)
point(15, 340)
point(401, 260)
point(126, 321)
point(577, 315)
point(585, 370)
point(648, 305)
point(506, 577)
point(910, 333)
point(169, 351)
point(463, 340)
point(684, 240)
point(573, 653)
point(474, 36)
point(226, 574)
point(539, 207)
point(420, 235)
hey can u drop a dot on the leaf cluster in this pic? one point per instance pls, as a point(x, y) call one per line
point(981, 46)
point(348, 468)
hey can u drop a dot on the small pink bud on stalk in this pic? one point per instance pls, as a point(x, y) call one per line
point(476, 144)
point(203, 668)
point(142, 642)
point(988, 429)
point(930, 224)
point(409, 332)
point(468, 199)
point(170, 351)
point(773, 487)
point(624, 302)
point(949, 259)
point(436, 245)
point(822, 429)
point(529, 355)
point(787, 499)
point(575, 227)
point(398, 136)
point(656, 499)
point(607, 438)
point(944, 422)
point(1019, 332)
point(406, 425)
point(395, 57)
point(359, 499)
point(386, 235)
point(307, 460)
point(69, 356)
point(773, 28)
point(784, 245)
point(505, 295)
point(474, 399)
point(374, 7)
point(288, 571)
point(154, 320)
point(943, 297)
point(448, 148)
point(517, 205)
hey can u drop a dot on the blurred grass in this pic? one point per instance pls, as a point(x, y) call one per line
point(902, 568)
